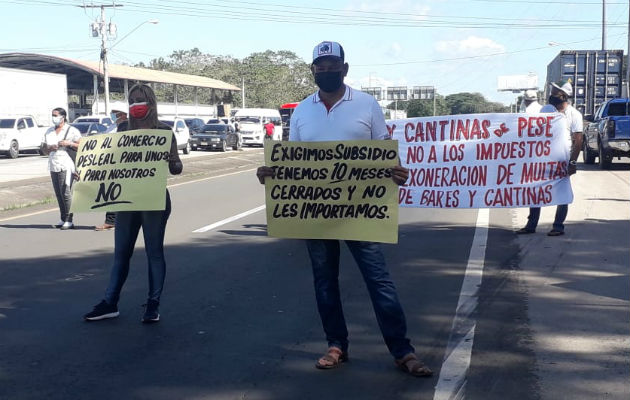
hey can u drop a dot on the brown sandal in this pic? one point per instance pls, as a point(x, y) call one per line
point(333, 358)
point(411, 365)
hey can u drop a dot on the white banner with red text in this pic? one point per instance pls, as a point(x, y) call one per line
point(484, 160)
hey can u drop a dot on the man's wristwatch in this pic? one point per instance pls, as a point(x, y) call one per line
point(573, 162)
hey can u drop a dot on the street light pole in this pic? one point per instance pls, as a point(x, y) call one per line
point(603, 24)
point(104, 59)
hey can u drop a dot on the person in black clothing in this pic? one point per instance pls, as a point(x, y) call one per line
point(143, 115)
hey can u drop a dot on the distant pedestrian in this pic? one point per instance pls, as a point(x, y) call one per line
point(530, 100)
point(60, 140)
point(120, 116)
point(559, 102)
point(269, 128)
point(143, 115)
point(335, 113)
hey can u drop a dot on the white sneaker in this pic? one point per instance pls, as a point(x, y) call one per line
point(59, 224)
point(67, 225)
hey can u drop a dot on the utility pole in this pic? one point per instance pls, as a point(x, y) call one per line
point(243, 93)
point(603, 24)
point(434, 93)
point(104, 31)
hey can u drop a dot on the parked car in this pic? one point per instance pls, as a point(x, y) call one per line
point(19, 134)
point(181, 131)
point(99, 119)
point(89, 128)
point(194, 124)
point(608, 133)
point(216, 136)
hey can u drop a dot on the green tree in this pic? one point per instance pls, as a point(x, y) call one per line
point(472, 103)
point(271, 77)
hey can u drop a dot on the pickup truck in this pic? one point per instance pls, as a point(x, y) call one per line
point(19, 134)
point(608, 133)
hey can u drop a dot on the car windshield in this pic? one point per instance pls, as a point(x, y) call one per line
point(169, 123)
point(252, 120)
point(7, 123)
point(215, 128)
point(83, 128)
point(88, 120)
point(618, 109)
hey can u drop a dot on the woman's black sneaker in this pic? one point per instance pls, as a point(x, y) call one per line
point(102, 310)
point(151, 312)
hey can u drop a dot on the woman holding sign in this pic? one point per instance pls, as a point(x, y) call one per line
point(142, 115)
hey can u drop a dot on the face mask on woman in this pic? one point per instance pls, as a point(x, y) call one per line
point(138, 110)
point(56, 120)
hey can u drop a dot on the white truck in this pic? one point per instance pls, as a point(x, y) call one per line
point(250, 123)
point(27, 99)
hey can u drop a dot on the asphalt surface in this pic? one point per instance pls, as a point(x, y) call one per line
point(239, 319)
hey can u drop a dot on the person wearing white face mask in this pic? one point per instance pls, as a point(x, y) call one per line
point(59, 140)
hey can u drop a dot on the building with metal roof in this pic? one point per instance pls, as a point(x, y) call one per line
point(85, 78)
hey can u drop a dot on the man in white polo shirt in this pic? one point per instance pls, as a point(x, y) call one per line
point(559, 102)
point(337, 112)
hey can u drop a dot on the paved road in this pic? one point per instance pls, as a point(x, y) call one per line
point(239, 318)
point(31, 165)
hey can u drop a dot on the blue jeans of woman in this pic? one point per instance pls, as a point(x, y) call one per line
point(128, 225)
point(63, 193)
point(369, 257)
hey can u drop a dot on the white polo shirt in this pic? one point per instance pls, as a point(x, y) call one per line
point(357, 116)
point(574, 123)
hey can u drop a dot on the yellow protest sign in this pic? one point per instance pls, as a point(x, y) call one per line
point(332, 190)
point(123, 171)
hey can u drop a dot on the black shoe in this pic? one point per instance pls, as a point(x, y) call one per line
point(555, 232)
point(525, 231)
point(151, 312)
point(102, 310)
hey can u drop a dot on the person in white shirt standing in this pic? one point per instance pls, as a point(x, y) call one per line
point(559, 102)
point(336, 113)
point(59, 140)
point(530, 100)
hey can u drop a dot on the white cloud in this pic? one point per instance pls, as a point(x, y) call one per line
point(394, 50)
point(471, 46)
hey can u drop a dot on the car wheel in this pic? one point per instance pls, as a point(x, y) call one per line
point(604, 161)
point(187, 148)
point(14, 149)
point(223, 146)
point(589, 157)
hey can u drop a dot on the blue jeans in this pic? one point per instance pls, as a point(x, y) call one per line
point(389, 313)
point(128, 225)
point(558, 223)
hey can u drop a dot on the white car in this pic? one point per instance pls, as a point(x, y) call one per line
point(19, 134)
point(99, 119)
point(181, 131)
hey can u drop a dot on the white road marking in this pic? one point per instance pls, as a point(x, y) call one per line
point(230, 219)
point(452, 381)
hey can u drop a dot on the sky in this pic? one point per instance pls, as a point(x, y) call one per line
point(453, 45)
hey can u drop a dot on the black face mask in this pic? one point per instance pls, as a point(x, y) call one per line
point(555, 101)
point(329, 81)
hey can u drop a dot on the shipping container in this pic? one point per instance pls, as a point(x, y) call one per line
point(596, 76)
